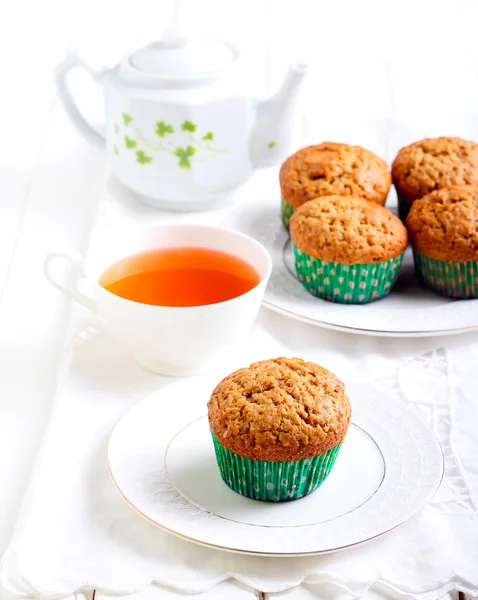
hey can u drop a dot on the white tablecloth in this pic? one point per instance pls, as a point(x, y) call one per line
point(56, 208)
point(70, 489)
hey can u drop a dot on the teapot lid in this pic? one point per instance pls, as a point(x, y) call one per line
point(176, 57)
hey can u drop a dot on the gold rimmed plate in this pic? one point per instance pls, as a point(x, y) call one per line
point(161, 459)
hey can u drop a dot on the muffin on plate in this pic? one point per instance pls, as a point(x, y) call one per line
point(331, 169)
point(433, 164)
point(277, 427)
point(443, 228)
point(347, 250)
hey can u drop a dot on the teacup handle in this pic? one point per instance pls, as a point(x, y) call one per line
point(77, 259)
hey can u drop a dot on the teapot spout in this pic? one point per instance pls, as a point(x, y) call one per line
point(273, 133)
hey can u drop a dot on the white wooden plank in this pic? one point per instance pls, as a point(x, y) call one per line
point(227, 589)
point(305, 592)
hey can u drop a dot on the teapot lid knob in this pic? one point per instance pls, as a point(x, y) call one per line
point(172, 38)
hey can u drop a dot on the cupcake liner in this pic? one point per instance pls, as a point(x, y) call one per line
point(447, 277)
point(347, 284)
point(403, 208)
point(287, 210)
point(273, 481)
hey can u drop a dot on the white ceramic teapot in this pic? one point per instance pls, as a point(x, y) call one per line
point(182, 128)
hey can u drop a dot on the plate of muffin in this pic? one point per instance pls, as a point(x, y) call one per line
point(276, 459)
point(344, 259)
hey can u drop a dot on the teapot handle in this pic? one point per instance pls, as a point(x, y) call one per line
point(70, 62)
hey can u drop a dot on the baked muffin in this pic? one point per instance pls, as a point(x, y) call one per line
point(443, 229)
point(347, 249)
point(277, 427)
point(433, 164)
point(331, 169)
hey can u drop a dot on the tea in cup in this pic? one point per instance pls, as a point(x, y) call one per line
point(175, 295)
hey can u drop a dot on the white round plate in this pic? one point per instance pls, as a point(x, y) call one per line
point(161, 459)
point(411, 310)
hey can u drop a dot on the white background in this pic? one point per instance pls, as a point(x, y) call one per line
point(411, 62)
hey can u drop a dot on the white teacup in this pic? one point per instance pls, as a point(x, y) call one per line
point(168, 340)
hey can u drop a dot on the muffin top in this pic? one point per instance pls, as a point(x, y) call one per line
point(347, 230)
point(433, 164)
point(334, 169)
point(444, 224)
point(282, 409)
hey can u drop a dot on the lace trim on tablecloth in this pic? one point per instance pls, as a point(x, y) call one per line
point(455, 495)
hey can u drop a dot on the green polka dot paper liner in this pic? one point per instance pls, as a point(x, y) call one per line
point(347, 284)
point(273, 481)
point(287, 210)
point(448, 278)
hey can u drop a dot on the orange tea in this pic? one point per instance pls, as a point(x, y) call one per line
point(180, 277)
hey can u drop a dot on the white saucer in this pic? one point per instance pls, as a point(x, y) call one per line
point(161, 459)
point(356, 476)
point(411, 310)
